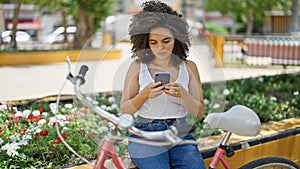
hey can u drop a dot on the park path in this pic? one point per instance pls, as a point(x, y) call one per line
point(37, 81)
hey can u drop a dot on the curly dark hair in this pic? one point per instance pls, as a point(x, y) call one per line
point(158, 14)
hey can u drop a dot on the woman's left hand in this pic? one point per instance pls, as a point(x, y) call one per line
point(173, 89)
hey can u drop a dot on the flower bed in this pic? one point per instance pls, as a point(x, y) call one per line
point(29, 139)
point(28, 136)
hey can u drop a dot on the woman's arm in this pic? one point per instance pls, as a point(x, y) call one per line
point(132, 100)
point(192, 100)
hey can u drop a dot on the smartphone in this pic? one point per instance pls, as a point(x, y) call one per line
point(163, 77)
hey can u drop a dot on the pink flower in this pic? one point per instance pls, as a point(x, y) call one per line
point(32, 118)
point(69, 118)
point(17, 122)
point(42, 133)
point(81, 112)
point(41, 110)
point(92, 135)
point(22, 131)
point(8, 123)
point(58, 140)
point(12, 116)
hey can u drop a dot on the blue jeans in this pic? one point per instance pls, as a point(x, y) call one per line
point(186, 156)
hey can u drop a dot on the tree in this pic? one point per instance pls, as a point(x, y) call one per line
point(246, 11)
point(15, 19)
point(56, 5)
point(87, 15)
point(13, 41)
point(294, 17)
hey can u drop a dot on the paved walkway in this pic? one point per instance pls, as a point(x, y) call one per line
point(36, 81)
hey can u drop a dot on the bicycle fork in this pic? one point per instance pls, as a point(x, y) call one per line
point(106, 149)
point(223, 149)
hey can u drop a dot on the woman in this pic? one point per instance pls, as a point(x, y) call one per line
point(160, 42)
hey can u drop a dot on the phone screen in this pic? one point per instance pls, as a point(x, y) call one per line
point(163, 77)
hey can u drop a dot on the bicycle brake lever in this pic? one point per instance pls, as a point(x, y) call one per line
point(69, 64)
point(81, 74)
point(69, 76)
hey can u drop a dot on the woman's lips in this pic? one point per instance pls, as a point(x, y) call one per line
point(162, 53)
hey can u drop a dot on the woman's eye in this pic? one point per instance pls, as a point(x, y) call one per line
point(152, 42)
point(166, 41)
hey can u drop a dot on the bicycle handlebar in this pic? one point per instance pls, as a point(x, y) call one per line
point(83, 70)
point(125, 121)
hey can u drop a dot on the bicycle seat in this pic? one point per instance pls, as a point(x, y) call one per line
point(239, 119)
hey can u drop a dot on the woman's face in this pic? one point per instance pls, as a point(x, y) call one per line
point(161, 42)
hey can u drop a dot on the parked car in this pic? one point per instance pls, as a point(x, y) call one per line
point(57, 36)
point(21, 36)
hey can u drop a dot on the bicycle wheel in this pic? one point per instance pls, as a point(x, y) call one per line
point(271, 163)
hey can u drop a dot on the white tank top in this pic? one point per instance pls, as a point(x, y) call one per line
point(163, 106)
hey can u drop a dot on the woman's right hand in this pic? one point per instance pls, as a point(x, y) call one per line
point(153, 90)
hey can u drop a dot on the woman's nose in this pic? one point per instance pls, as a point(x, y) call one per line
point(161, 46)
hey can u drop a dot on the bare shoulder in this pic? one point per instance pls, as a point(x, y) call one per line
point(191, 65)
point(135, 66)
point(192, 69)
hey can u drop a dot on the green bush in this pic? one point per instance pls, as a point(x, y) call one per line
point(273, 98)
point(275, 95)
point(214, 28)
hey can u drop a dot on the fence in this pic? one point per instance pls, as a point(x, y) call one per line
point(280, 50)
point(258, 50)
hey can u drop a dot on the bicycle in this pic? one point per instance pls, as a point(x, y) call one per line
point(239, 120)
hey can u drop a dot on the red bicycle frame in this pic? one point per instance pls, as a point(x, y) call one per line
point(106, 149)
point(222, 150)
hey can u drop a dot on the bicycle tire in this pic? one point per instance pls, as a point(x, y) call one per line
point(271, 162)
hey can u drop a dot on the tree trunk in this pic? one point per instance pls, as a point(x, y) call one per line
point(64, 23)
point(13, 42)
point(250, 22)
point(83, 30)
point(294, 18)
